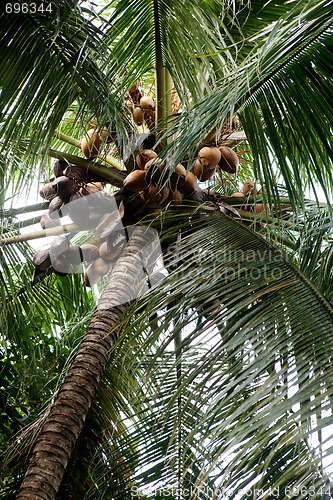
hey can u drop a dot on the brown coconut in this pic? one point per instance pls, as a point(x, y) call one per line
point(154, 169)
point(248, 188)
point(156, 194)
point(42, 259)
point(201, 172)
point(147, 102)
point(260, 207)
point(190, 184)
point(138, 115)
point(209, 156)
point(91, 144)
point(135, 181)
point(89, 252)
point(229, 160)
point(174, 198)
point(48, 191)
point(144, 156)
point(104, 252)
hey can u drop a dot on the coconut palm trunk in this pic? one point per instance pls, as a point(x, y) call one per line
point(65, 419)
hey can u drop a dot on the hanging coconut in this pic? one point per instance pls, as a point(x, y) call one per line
point(209, 156)
point(260, 207)
point(78, 209)
point(174, 198)
point(42, 259)
point(58, 168)
point(203, 173)
point(46, 222)
point(101, 266)
point(61, 266)
point(237, 195)
point(48, 191)
point(144, 156)
point(135, 181)
point(229, 161)
point(88, 252)
point(91, 144)
point(149, 117)
point(154, 169)
point(147, 102)
point(190, 184)
point(55, 207)
point(178, 176)
point(156, 194)
point(138, 116)
point(64, 187)
point(248, 188)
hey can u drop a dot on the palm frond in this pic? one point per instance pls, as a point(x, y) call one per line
point(281, 92)
point(256, 347)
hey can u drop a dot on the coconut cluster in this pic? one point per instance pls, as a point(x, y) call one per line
point(69, 194)
point(144, 112)
point(157, 184)
point(249, 189)
point(64, 257)
point(70, 183)
point(211, 158)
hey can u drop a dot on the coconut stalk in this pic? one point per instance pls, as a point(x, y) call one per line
point(111, 160)
point(43, 233)
point(113, 175)
point(12, 212)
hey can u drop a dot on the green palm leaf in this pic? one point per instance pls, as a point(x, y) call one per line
point(260, 355)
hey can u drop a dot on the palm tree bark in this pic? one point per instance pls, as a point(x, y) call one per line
point(65, 419)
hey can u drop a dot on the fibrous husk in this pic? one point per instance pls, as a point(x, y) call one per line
point(229, 160)
point(209, 156)
point(91, 144)
point(135, 181)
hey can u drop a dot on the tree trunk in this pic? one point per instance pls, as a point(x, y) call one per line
point(65, 419)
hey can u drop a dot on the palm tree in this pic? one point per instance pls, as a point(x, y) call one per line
point(217, 379)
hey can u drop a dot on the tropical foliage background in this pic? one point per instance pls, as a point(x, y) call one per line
point(222, 377)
